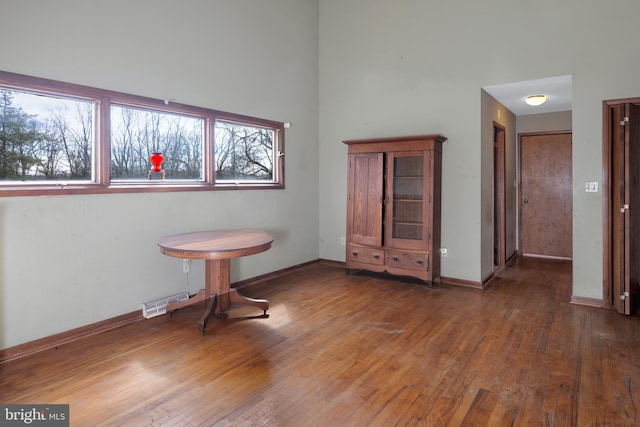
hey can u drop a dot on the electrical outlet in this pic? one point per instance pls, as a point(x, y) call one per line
point(186, 265)
point(443, 252)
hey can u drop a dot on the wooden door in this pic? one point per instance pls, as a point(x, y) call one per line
point(364, 204)
point(546, 195)
point(625, 206)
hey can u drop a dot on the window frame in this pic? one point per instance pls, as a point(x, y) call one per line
point(101, 179)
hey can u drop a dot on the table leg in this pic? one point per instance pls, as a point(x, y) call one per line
point(211, 305)
point(237, 298)
point(200, 296)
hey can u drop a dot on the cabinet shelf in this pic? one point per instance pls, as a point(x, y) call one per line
point(403, 222)
point(408, 200)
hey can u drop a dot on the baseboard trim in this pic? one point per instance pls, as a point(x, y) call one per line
point(332, 262)
point(559, 258)
point(465, 283)
point(59, 339)
point(56, 340)
point(278, 273)
point(590, 302)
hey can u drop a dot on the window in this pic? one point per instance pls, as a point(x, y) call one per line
point(43, 138)
point(60, 138)
point(243, 152)
point(137, 133)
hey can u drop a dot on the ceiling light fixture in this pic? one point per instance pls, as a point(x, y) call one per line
point(535, 100)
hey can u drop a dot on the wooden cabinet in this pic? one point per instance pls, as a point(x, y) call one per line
point(393, 205)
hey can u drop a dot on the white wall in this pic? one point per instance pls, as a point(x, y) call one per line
point(548, 122)
point(415, 66)
point(68, 261)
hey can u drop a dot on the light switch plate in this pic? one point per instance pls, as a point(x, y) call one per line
point(591, 187)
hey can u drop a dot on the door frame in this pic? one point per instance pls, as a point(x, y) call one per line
point(607, 202)
point(499, 196)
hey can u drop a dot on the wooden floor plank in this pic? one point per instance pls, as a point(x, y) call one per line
point(356, 350)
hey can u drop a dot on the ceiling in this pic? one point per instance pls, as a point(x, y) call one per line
point(512, 95)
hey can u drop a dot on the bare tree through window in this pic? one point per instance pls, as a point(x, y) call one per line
point(45, 138)
point(243, 152)
point(136, 133)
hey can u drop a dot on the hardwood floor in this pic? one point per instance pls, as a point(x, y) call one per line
point(356, 350)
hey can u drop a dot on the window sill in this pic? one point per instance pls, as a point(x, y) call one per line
point(126, 187)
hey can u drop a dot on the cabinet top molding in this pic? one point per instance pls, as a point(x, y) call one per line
point(399, 143)
point(413, 138)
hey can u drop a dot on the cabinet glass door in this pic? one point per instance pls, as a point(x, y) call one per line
point(407, 199)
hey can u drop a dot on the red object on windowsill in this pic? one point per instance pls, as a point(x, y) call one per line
point(156, 160)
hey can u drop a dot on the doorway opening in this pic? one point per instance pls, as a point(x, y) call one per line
point(499, 207)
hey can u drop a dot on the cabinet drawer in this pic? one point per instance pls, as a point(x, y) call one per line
point(365, 254)
point(402, 259)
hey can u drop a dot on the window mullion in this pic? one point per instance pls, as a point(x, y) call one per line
point(208, 150)
point(103, 142)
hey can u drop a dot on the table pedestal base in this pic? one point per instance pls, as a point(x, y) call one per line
point(217, 303)
point(218, 293)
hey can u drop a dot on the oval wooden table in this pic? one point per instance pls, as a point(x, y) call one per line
point(216, 248)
